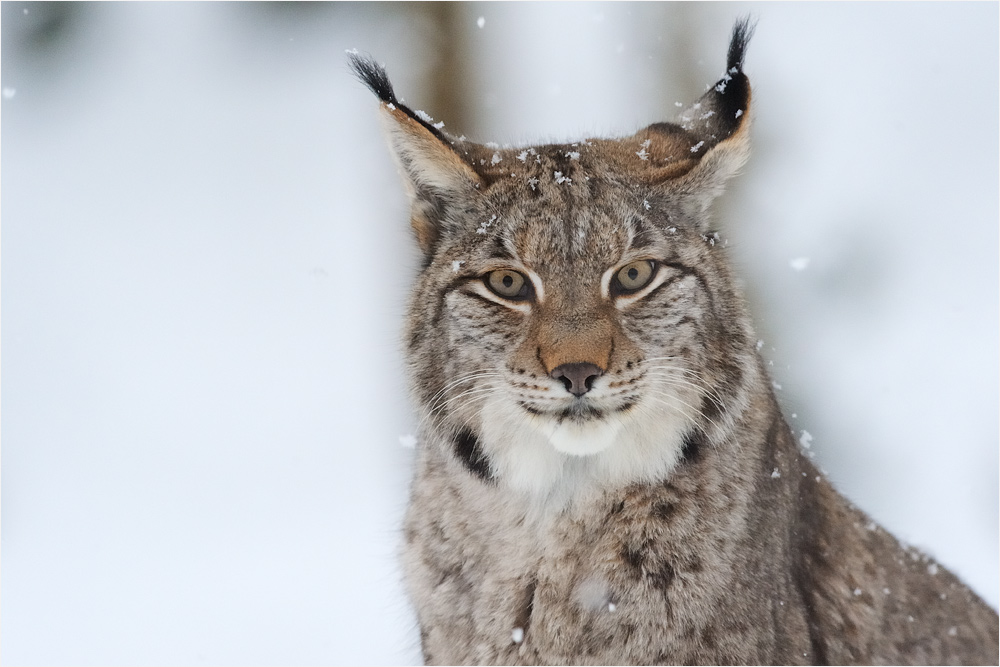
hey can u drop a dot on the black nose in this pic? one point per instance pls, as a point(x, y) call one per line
point(578, 377)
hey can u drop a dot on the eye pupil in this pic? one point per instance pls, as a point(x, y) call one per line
point(508, 280)
point(633, 273)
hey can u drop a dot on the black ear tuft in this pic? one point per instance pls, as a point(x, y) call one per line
point(375, 77)
point(372, 75)
point(742, 32)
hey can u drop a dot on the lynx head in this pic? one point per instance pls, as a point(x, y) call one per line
point(574, 320)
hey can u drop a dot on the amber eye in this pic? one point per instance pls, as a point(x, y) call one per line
point(508, 284)
point(633, 277)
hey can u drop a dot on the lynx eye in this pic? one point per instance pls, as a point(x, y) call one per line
point(508, 284)
point(633, 277)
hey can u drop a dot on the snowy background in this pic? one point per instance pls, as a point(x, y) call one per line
point(206, 256)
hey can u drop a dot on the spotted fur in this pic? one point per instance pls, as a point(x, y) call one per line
point(604, 476)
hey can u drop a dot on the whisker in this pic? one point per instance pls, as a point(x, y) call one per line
point(469, 377)
point(663, 398)
point(676, 382)
point(666, 371)
point(450, 401)
point(475, 375)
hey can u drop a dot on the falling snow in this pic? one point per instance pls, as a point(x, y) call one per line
point(483, 226)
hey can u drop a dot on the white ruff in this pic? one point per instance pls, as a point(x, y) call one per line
point(555, 461)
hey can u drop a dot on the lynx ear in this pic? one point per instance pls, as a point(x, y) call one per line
point(711, 143)
point(437, 178)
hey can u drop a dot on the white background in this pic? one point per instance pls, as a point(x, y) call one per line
point(205, 261)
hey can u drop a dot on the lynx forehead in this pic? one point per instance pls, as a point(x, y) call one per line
point(604, 476)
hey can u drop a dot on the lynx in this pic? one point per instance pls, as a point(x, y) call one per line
point(604, 475)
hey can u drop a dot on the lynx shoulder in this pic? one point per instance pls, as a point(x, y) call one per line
point(604, 475)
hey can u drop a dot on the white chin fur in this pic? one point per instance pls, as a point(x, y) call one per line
point(556, 461)
point(584, 439)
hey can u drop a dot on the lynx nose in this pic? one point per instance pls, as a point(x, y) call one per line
point(577, 377)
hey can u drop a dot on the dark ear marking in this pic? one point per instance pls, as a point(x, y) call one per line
point(376, 78)
point(722, 110)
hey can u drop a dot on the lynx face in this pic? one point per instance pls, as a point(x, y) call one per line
point(574, 321)
point(576, 326)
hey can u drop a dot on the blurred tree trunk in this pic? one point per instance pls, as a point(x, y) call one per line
point(678, 56)
point(446, 81)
